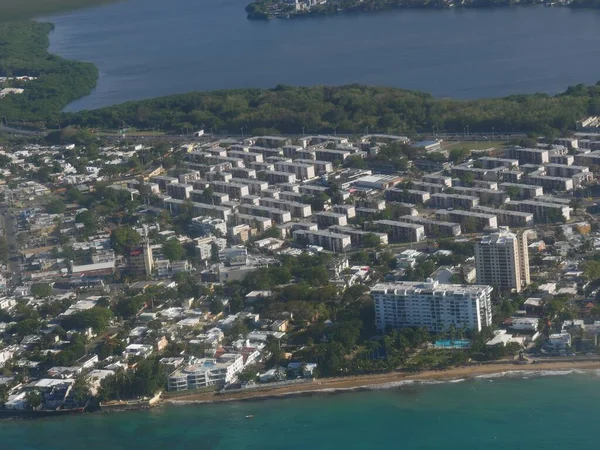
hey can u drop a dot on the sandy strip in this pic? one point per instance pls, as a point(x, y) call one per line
point(372, 381)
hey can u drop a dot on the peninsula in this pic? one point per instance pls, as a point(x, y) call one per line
point(269, 9)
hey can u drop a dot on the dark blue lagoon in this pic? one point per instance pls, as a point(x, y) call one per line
point(149, 48)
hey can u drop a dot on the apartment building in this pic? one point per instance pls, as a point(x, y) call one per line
point(300, 210)
point(562, 159)
point(467, 219)
point(437, 179)
point(179, 190)
point(502, 260)
point(550, 183)
point(327, 219)
point(334, 242)
point(321, 167)
point(542, 211)
point(214, 198)
point(324, 154)
point(432, 305)
point(564, 170)
point(489, 162)
point(312, 189)
point(234, 190)
point(433, 228)
point(398, 231)
point(207, 372)
point(407, 195)
point(463, 171)
point(452, 201)
point(522, 190)
point(507, 217)
point(277, 215)
point(274, 177)
point(432, 188)
point(254, 186)
point(261, 223)
point(486, 196)
point(242, 172)
point(528, 155)
point(293, 197)
point(301, 171)
point(248, 157)
point(357, 235)
point(175, 206)
point(163, 181)
point(348, 210)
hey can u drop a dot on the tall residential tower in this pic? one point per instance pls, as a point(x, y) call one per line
point(502, 260)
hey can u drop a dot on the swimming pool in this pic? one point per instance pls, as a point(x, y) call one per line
point(452, 343)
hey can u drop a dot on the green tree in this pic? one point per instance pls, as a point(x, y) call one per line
point(124, 239)
point(458, 155)
point(96, 318)
point(55, 206)
point(173, 250)
point(371, 240)
point(81, 389)
point(41, 290)
point(33, 399)
point(88, 219)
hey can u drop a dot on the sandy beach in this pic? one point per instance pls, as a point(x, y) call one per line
point(329, 385)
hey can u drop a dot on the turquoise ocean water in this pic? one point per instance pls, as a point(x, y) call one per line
point(535, 413)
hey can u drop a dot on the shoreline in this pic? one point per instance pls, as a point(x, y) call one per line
point(382, 381)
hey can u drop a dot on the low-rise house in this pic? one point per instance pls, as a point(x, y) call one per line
point(137, 350)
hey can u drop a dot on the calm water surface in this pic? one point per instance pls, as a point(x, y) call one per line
point(536, 414)
point(148, 48)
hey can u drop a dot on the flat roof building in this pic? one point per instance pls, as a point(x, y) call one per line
point(431, 305)
point(334, 242)
point(502, 260)
point(398, 231)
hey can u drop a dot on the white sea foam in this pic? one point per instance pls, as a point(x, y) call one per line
point(390, 385)
point(531, 373)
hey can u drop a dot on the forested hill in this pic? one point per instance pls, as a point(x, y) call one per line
point(349, 109)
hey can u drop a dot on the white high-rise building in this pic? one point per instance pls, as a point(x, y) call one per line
point(502, 260)
point(432, 305)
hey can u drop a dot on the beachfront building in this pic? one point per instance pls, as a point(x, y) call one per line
point(207, 372)
point(432, 305)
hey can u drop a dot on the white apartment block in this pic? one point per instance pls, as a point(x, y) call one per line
point(277, 215)
point(528, 155)
point(398, 231)
point(207, 372)
point(234, 190)
point(297, 209)
point(274, 177)
point(542, 211)
point(333, 242)
point(452, 201)
point(432, 305)
point(302, 171)
point(327, 219)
